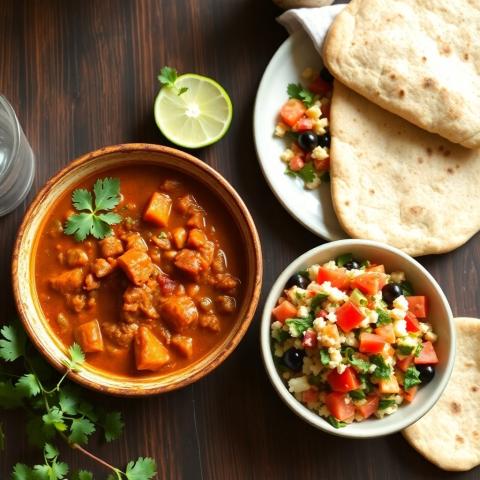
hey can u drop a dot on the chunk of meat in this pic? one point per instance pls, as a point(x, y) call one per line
point(225, 304)
point(162, 241)
point(89, 337)
point(224, 282)
point(139, 303)
point(120, 333)
point(207, 251)
point(196, 238)
point(69, 281)
point(150, 353)
point(137, 265)
point(179, 235)
point(219, 264)
point(179, 312)
point(76, 257)
point(136, 241)
point(185, 204)
point(101, 267)
point(76, 302)
point(91, 283)
point(183, 344)
point(158, 209)
point(197, 220)
point(167, 285)
point(111, 247)
point(210, 321)
point(190, 261)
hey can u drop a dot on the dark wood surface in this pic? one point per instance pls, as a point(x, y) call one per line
point(81, 75)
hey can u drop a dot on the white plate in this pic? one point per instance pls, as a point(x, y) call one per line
point(312, 208)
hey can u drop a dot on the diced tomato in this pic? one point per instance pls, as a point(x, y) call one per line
point(292, 111)
point(370, 407)
point(283, 311)
point(376, 268)
point(349, 316)
point(303, 125)
point(413, 324)
point(320, 86)
point(341, 410)
point(369, 282)
point(338, 278)
point(427, 355)
point(386, 332)
point(371, 343)
point(418, 305)
point(343, 382)
point(309, 339)
point(296, 163)
point(404, 363)
point(409, 394)
point(389, 386)
point(310, 395)
point(322, 165)
point(321, 314)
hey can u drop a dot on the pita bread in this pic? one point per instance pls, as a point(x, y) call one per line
point(416, 58)
point(449, 434)
point(286, 4)
point(393, 182)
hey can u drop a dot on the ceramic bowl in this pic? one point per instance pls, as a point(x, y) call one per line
point(440, 316)
point(25, 293)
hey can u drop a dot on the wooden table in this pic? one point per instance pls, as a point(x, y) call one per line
point(81, 75)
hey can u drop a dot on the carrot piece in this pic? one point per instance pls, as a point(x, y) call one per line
point(150, 353)
point(137, 265)
point(158, 209)
point(89, 337)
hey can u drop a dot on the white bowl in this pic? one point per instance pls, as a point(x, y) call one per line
point(440, 315)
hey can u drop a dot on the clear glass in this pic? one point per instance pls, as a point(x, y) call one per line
point(17, 162)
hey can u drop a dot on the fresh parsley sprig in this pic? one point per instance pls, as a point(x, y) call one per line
point(296, 90)
point(56, 410)
point(168, 76)
point(94, 218)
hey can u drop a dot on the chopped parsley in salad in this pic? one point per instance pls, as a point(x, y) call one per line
point(303, 121)
point(352, 341)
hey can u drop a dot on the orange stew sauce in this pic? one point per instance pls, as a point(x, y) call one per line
point(159, 293)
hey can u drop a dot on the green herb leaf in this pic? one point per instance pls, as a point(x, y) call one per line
point(12, 345)
point(113, 425)
point(168, 76)
point(383, 317)
point(82, 475)
point(182, 91)
point(80, 430)
point(110, 218)
point(357, 394)
point(107, 193)
point(142, 469)
point(297, 326)
point(290, 172)
point(335, 423)
point(22, 472)
point(383, 370)
point(317, 300)
point(341, 260)
point(307, 173)
point(324, 357)
point(38, 432)
point(418, 350)
point(300, 93)
point(386, 403)
point(28, 385)
point(59, 469)
point(77, 357)
point(67, 401)
point(359, 363)
point(50, 451)
point(53, 417)
point(412, 378)
point(82, 200)
point(10, 397)
point(407, 288)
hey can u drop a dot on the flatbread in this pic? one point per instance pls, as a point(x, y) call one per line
point(449, 434)
point(416, 58)
point(396, 183)
point(286, 4)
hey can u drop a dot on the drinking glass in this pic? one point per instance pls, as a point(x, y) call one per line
point(17, 162)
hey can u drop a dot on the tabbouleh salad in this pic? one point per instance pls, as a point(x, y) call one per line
point(303, 121)
point(352, 341)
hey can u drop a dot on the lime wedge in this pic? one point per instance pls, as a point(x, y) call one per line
point(197, 117)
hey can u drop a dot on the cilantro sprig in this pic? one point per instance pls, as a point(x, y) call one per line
point(56, 410)
point(94, 218)
point(296, 90)
point(412, 378)
point(168, 77)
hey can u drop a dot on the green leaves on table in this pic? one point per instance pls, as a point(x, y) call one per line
point(94, 217)
point(167, 77)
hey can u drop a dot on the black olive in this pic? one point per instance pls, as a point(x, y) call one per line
point(298, 280)
point(326, 75)
point(427, 372)
point(390, 292)
point(352, 264)
point(324, 140)
point(307, 141)
point(293, 359)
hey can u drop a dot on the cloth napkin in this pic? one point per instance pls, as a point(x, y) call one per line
point(314, 21)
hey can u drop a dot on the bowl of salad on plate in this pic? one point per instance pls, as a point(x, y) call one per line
point(357, 338)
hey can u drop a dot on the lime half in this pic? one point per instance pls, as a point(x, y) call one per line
point(197, 117)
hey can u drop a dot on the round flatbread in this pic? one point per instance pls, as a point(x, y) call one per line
point(286, 4)
point(394, 182)
point(449, 434)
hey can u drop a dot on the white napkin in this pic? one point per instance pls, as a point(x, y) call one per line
point(315, 21)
